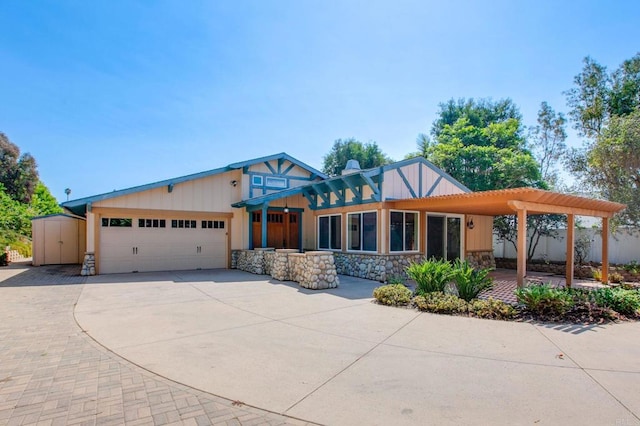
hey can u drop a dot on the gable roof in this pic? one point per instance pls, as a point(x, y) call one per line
point(78, 206)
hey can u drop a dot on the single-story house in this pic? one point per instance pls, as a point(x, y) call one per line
point(375, 221)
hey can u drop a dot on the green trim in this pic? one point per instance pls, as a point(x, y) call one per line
point(406, 182)
point(434, 186)
point(270, 167)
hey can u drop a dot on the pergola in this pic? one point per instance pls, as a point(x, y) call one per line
point(524, 202)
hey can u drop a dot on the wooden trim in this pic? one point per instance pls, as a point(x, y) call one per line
point(570, 249)
point(152, 213)
point(367, 207)
point(540, 208)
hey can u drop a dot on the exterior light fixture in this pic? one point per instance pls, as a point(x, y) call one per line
point(233, 183)
point(470, 224)
point(286, 208)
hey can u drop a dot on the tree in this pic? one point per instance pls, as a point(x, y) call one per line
point(42, 202)
point(368, 155)
point(604, 109)
point(18, 174)
point(547, 140)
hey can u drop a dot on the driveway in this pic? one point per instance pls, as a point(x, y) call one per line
point(334, 357)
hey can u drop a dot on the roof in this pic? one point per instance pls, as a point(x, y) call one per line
point(78, 206)
point(369, 177)
point(509, 201)
point(58, 214)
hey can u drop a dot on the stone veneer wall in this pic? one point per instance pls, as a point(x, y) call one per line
point(88, 264)
point(315, 269)
point(377, 267)
point(483, 259)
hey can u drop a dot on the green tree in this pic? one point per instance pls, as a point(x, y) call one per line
point(547, 140)
point(42, 202)
point(18, 174)
point(368, 155)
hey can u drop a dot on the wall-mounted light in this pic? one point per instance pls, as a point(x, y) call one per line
point(233, 183)
point(170, 187)
point(470, 224)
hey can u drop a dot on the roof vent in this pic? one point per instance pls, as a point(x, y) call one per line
point(352, 167)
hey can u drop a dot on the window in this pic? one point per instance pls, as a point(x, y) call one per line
point(117, 222)
point(363, 231)
point(152, 223)
point(212, 224)
point(330, 232)
point(256, 180)
point(403, 231)
point(179, 223)
point(255, 217)
point(275, 182)
point(275, 218)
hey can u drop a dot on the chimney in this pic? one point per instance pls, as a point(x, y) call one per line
point(352, 167)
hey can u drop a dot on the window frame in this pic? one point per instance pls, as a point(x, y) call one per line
point(329, 216)
point(404, 222)
point(268, 182)
point(362, 213)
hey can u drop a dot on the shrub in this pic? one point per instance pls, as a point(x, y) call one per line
point(597, 274)
point(616, 278)
point(545, 300)
point(4, 261)
point(430, 275)
point(440, 303)
point(469, 281)
point(492, 309)
point(392, 294)
point(626, 302)
point(632, 267)
point(395, 279)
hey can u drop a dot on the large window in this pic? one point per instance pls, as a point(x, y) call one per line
point(403, 231)
point(363, 231)
point(330, 232)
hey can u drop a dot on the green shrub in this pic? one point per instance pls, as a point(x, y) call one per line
point(4, 261)
point(492, 309)
point(392, 295)
point(395, 279)
point(430, 275)
point(626, 302)
point(632, 267)
point(545, 300)
point(469, 281)
point(616, 278)
point(597, 274)
point(440, 303)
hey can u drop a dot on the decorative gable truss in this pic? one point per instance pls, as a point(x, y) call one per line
point(356, 188)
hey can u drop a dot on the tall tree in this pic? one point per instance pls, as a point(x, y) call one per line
point(604, 109)
point(547, 140)
point(18, 174)
point(368, 155)
point(42, 202)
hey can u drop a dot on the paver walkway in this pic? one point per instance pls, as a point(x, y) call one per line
point(51, 373)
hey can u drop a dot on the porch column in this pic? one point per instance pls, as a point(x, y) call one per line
point(570, 249)
point(522, 246)
point(605, 250)
point(264, 226)
point(91, 232)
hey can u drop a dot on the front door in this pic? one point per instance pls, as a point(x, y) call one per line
point(282, 229)
point(444, 237)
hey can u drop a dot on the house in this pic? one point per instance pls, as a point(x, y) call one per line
point(374, 221)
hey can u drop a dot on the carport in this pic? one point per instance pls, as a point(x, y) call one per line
point(523, 202)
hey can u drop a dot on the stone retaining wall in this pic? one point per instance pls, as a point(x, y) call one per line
point(88, 264)
point(376, 267)
point(315, 269)
point(14, 256)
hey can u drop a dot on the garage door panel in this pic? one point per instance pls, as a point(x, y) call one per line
point(161, 249)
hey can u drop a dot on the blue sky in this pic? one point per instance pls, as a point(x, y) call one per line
point(112, 94)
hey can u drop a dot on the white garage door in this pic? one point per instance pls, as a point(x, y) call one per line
point(148, 244)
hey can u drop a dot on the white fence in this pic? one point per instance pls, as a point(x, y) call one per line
point(624, 246)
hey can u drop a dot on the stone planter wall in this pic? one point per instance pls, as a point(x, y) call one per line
point(377, 267)
point(314, 270)
point(482, 259)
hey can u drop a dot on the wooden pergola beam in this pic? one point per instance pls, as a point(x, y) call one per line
point(540, 208)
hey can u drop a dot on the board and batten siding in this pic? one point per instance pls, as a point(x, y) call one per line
point(422, 181)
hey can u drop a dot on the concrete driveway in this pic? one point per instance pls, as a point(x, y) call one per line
point(334, 357)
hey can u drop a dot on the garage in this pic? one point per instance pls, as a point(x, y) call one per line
point(144, 244)
point(58, 239)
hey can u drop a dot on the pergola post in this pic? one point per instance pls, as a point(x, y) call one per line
point(605, 250)
point(570, 249)
point(522, 246)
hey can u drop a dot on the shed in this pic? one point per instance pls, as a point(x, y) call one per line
point(58, 239)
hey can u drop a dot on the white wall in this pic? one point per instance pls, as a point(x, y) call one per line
point(624, 246)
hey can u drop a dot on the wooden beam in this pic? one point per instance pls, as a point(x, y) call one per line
point(540, 208)
point(522, 246)
point(570, 248)
point(605, 250)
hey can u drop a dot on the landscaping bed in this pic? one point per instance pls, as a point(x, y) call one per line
point(453, 289)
